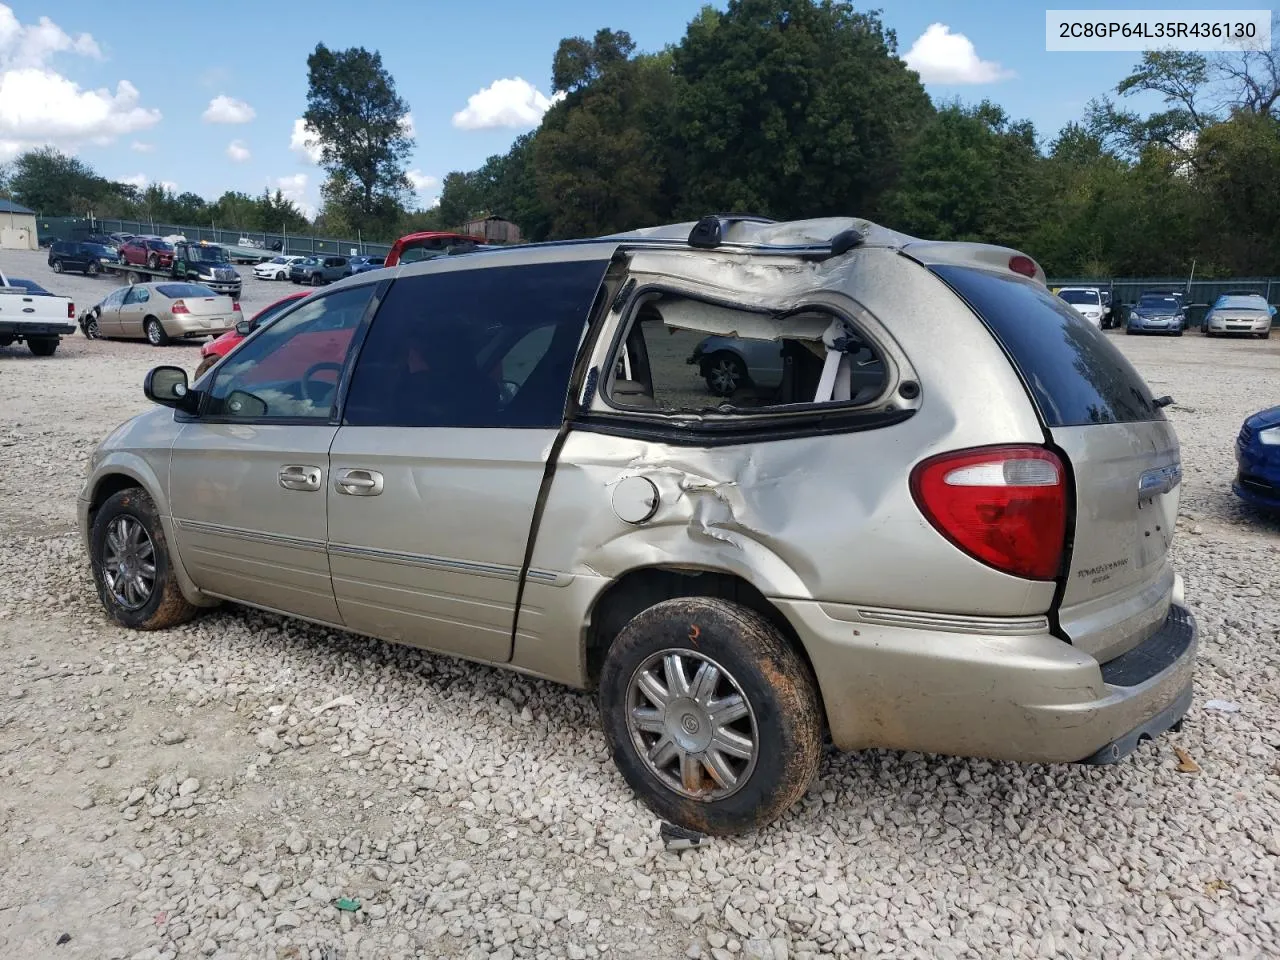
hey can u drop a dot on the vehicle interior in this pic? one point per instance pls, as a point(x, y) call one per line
point(682, 355)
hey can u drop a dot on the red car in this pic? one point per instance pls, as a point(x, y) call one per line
point(147, 252)
point(215, 350)
point(430, 243)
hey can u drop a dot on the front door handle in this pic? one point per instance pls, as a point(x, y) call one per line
point(359, 483)
point(296, 476)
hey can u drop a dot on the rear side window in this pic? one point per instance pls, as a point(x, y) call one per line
point(1073, 372)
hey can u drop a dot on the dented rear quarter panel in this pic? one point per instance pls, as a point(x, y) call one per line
point(827, 518)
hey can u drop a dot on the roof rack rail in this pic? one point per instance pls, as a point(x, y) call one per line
point(708, 232)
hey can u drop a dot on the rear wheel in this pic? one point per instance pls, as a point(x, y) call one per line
point(154, 330)
point(316, 280)
point(92, 269)
point(711, 715)
point(42, 346)
point(131, 566)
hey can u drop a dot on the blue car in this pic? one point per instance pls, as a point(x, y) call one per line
point(1258, 459)
point(364, 264)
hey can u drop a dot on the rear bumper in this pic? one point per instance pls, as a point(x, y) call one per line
point(193, 328)
point(15, 328)
point(1022, 696)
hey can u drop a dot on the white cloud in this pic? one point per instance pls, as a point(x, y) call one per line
point(303, 142)
point(510, 102)
point(294, 188)
point(406, 124)
point(940, 56)
point(139, 147)
point(32, 46)
point(435, 202)
point(224, 109)
point(421, 182)
point(142, 181)
point(40, 106)
point(237, 151)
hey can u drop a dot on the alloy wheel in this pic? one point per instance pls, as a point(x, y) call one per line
point(129, 563)
point(692, 725)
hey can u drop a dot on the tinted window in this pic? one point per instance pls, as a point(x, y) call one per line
point(1072, 371)
point(474, 348)
point(291, 368)
point(175, 290)
point(138, 295)
point(1158, 305)
point(30, 286)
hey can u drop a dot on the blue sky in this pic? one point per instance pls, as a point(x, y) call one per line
point(135, 98)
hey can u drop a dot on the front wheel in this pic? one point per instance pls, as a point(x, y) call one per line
point(92, 269)
point(154, 330)
point(711, 715)
point(57, 266)
point(316, 280)
point(280, 275)
point(42, 346)
point(153, 262)
point(725, 374)
point(131, 566)
point(91, 330)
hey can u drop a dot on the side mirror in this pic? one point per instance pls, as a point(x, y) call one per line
point(168, 387)
point(244, 327)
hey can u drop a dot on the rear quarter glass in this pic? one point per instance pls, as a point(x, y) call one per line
point(1074, 374)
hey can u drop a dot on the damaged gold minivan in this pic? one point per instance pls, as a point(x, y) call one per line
point(930, 510)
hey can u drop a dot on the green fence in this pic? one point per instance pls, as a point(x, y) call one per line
point(1198, 295)
point(69, 228)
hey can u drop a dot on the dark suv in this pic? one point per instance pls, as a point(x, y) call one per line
point(79, 255)
point(318, 271)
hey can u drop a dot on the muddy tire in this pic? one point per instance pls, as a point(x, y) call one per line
point(711, 715)
point(132, 570)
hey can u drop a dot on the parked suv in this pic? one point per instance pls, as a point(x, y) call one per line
point(81, 255)
point(507, 458)
point(318, 271)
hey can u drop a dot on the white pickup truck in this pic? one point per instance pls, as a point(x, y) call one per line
point(32, 314)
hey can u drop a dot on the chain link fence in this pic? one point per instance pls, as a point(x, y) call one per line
point(270, 244)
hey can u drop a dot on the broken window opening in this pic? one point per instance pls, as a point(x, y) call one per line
point(682, 355)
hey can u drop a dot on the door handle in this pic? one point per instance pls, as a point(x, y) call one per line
point(299, 477)
point(359, 483)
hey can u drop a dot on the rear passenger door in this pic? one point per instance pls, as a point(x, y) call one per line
point(457, 395)
point(133, 312)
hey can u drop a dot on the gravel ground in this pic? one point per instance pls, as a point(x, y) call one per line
point(216, 789)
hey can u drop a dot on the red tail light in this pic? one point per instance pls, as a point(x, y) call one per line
point(1005, 506)
point(236, 306)
point(71, 311)
point(179, 306)
point(1023, 265)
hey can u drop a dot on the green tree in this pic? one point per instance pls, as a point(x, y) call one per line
point(360, 123)
point(792, 108)
point(601, 159)
point(46, 180)
point(276, 213)
point(972, 174)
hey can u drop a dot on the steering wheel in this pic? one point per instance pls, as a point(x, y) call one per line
point(312, 371)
